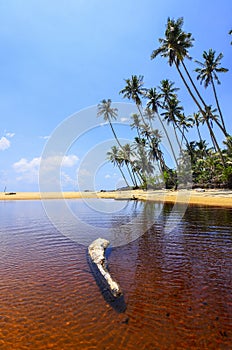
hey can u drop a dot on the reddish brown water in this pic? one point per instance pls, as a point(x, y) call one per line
point(177, 285)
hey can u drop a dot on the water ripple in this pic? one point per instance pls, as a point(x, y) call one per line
point(177, 284)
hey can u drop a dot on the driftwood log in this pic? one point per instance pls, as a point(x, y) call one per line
point(96, 251)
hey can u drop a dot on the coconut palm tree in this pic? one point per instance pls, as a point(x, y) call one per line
point(183, 124)
point(154, 103)
point(156, 151)
point(167, 90)
point(126, 153)
point(172, 113)
point(109, 113)
point(134, 90)
point(207, 74)
point(175, 47)
point(114, 157)
point(136, 123)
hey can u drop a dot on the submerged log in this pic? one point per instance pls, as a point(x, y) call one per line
point(96, 251)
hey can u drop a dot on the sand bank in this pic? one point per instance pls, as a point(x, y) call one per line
point(221, 198)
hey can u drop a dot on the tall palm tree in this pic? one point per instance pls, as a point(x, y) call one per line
point(183, 124)
point(155, 150)
point(175, 47)
point(172, 113)
point(109, 113)
point(126, 153)
point(207, 74)
point(154, 103)
point(114, 157)
point(134, 90)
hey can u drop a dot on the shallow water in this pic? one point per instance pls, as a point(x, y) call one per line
point(177, 283)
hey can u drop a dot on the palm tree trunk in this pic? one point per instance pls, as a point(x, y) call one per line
point(189, 90)
point(222, 127)
point(183, 137)
point(129, 172)
point(214, 140)
point(203, 114)
point(174, 128)
point(135, 181)
point(199, 134)
point(141, 114)
point(218, 107)
point(119, 167)
point(115, 136)
point(193, 84)
point(168, 138)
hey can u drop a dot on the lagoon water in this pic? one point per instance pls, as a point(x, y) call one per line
point(177, 283)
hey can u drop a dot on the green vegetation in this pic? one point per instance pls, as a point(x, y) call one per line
point(143, 164)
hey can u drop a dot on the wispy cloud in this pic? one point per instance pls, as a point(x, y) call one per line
point(124, 119)
point(44, 137)
point(28, 169)
point(10, 134)
point(66, 180)
point(4, 143)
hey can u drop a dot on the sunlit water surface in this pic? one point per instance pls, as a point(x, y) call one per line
point(177, 284)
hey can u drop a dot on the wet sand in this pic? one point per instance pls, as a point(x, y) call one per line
point(222, 198)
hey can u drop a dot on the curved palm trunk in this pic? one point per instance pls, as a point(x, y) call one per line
point(168, 138)
point(203, 114)
point(193, 84)
point(119, 167)
point(222, 127)
point(218, 107)
point(139, 177)
point(215, 142)
point(132, 179)
point(141, 114)
point(174, 128)
point(189, 90)
point(134, 173)
point(199, 134)
point(115, 136)
point(183, 136)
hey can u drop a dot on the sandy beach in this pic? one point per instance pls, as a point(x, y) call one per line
point(222, 198)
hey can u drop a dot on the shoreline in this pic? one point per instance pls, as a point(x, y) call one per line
point(221, 198)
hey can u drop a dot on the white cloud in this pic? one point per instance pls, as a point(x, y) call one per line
point(103, 123)
point(107, 176)
point(69, 161)
point(29, 169)
point(10, 134)
point(4, 143)
point(124, 119)
point(83, 172)
point(23, 165)
point(44, 137)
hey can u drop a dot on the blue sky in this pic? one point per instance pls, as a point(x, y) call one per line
point(59, 57)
